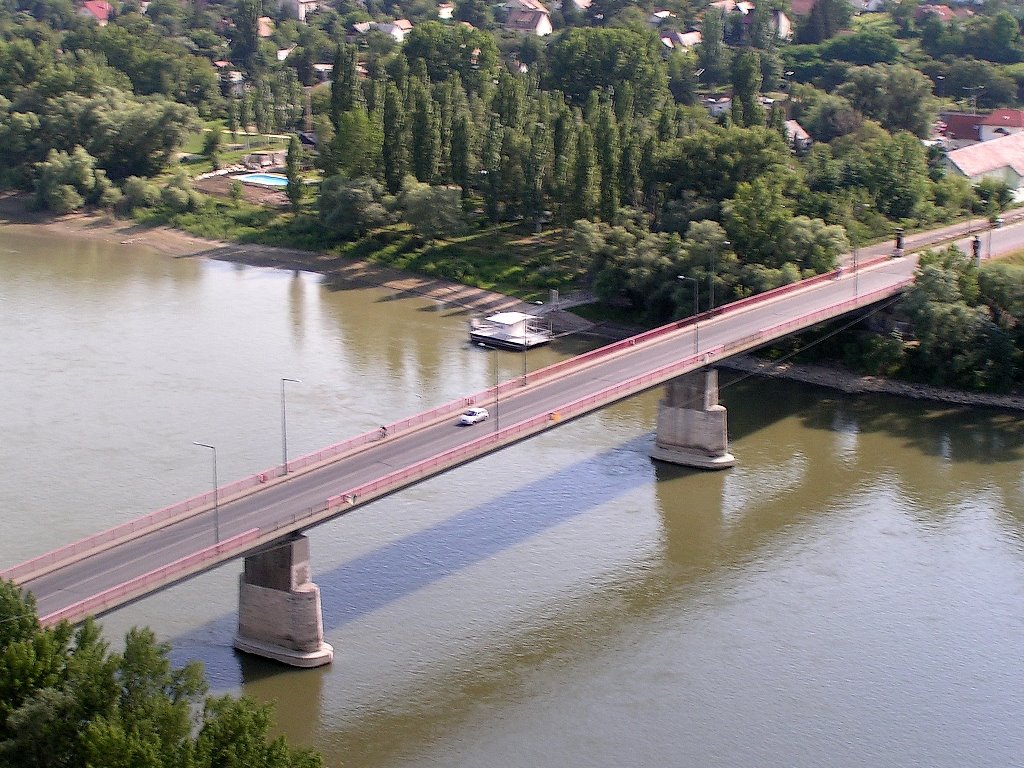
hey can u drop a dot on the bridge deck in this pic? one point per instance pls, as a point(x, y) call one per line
point(126, 563)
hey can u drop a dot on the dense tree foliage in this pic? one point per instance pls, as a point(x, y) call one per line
point(592, 129)
point(67, 700)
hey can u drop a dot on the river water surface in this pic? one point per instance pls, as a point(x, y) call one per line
point(850, 594)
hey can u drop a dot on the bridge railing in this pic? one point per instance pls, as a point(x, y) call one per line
point(174, 512)
point(145, 583)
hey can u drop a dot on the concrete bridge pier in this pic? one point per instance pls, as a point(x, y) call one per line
point(279, 613)
point(692, 429)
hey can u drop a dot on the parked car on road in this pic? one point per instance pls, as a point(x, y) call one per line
point(473, 415)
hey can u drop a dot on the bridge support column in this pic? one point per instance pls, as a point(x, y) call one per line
point(279, 607)
point(692, 428)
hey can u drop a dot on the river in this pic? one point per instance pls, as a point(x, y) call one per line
point(850, 594)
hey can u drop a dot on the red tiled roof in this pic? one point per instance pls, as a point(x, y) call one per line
point(962, 125)
point(944, 12)
point(524, 20)
point(100, 9)
point(1005, 118)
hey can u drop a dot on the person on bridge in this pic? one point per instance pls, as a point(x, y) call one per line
point(383, 431)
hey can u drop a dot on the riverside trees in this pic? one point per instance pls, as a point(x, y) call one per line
point(67, 700)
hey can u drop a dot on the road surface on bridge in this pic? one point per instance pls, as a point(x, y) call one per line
point(280, 507)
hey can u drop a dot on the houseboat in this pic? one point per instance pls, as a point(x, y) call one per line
point(509, 330)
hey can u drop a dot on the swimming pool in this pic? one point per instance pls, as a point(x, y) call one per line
point(266, 179)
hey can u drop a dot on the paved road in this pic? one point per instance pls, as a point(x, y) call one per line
point(280, 507)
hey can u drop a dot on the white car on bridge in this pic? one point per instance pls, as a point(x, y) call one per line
point(473, 415)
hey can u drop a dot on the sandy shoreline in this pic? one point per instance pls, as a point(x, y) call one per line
point(178, 244)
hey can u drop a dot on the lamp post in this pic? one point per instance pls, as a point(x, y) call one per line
point(284, 425)
point(993, 224)
point(973, 95)
point(216, 506)
point(696, 312)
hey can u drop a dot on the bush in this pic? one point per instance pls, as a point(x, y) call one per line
point(140, 193)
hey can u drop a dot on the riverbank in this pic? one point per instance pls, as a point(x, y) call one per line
point(342, 273)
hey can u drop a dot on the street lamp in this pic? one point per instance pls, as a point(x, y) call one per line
point(696, 312)
point(284, 425)
point(216, 507)
point(973, 90)
point(993, 224)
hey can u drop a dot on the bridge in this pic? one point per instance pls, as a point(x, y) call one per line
point(261, 518)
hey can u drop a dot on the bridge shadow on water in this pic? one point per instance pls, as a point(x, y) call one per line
point(397, 569)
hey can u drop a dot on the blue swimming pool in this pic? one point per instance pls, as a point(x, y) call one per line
point(266, 179)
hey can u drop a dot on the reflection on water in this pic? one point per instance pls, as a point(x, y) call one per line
point(848, 594)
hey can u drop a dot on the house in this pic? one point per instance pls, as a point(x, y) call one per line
point(960, 129)
point(99, 11)
point(529, 22)
point(397, 29)
point(944, 13)
point(526, 5)
point(324, 72)
point(779, 22)
point(283, 53)
point(446, 11)
point(802, 7)
point(659, 15)
point(717, 107)
point(299, 9)
point(799, 139)
point(1001, 122)
point(868, 6)
point(680, 40)
point(265, 26)
point(1001, 159)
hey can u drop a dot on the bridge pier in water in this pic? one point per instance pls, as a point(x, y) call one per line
point(692, 426)
point(279, 614)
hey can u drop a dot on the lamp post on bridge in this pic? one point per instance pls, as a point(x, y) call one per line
point(284, 424)
point(216, 505)
point(696, 312)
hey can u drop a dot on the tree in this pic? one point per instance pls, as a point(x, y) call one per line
point(65, 182)
point(357, 145)
point(433, 211)
point(246, 41)
point(349, 208)
point(582, 60)
point(814, 245)
point(346, 93)
point(211, 147)
point(475, 12)
point(425, 132)
point(746, 83)
point(712, 55)
point(294, 172)
point(608, 157)
point(66, 700)
point(756, 219)
point(586, 177)
point(446, 49)
point(895, 95)
point(396, 141)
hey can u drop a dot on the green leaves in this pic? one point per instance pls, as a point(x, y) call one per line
point(67, 702)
